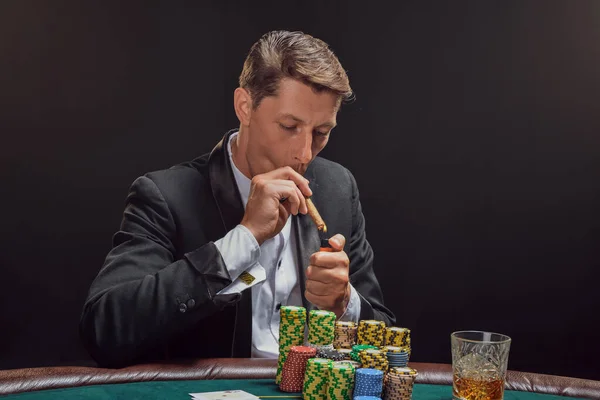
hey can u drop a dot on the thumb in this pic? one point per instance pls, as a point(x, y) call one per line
point(337, 242)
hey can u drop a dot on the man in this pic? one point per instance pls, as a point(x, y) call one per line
point(209, 250)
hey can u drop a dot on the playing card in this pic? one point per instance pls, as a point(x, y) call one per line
point(224, 395)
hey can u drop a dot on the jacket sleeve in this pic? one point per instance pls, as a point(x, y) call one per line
point(362, 275)
point(143, 296)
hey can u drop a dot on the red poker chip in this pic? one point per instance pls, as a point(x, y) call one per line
point(292, 376)
point(304, 350)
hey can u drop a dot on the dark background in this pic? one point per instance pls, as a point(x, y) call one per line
point(474, 138)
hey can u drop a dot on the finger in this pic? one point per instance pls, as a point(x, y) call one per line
point(326, 302)
point(303, 207)
point(288, 191)
point(284, 213)
point(314, 299)
point(287, 208)
point(314, 273)
point(318, 288)
point(289, 173)
point(334, 277)
point(337, 242)
point(329, 260)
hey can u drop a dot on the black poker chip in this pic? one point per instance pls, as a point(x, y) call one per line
point(330, 354)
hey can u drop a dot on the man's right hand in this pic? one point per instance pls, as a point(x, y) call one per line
point(266, 211)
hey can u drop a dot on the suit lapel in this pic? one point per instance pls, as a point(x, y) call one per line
point(231, 210)
point(307, 237)
point(224, 188)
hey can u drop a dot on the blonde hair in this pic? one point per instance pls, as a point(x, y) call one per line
point(282, 54)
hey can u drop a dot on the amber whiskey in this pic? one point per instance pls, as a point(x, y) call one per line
point(471, 389)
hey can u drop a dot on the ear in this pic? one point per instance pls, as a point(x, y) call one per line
point(242, 103)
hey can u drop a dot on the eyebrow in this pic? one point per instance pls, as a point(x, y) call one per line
point(330, 125)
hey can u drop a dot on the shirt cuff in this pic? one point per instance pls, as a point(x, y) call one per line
point(252, 276)
point(352, 312)
point(240, 252)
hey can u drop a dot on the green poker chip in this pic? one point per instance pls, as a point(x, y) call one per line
point(292, 324)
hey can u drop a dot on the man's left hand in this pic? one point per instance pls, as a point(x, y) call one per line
point(327, 281)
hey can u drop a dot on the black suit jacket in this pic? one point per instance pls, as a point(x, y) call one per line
point(155, 297)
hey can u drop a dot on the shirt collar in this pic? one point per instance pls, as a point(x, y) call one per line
point(242, 181)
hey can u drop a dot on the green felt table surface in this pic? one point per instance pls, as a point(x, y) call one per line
point(259, 387)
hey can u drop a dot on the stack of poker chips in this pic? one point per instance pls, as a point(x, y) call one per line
point(316, 378)
point(346, 353)
point(355, 364)
point(371, 332)
point(326, 347)
point(341, 381)
point(345, 335)
point(368, 382)
point(291, 333)
point(292, 377)
point(399, 383)
point(397, 356)
point(399, 337)
point(374, 358)
point(330, 354)
point(321, 328)
point(357, 348)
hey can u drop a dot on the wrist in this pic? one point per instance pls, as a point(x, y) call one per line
point(254, 232)
point(341, 310)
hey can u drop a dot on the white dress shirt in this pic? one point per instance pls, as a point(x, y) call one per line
point(273, 265)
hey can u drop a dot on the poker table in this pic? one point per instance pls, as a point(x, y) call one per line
point(177, 379)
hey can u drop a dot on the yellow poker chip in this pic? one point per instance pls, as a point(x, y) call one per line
point(398, 330)
point(291, 333)
point(316, 379)
point(371, 332)
point(374, 358)
point(355, 364)
point(321, 327)
point(403, 371)
point(396, 336)
point(393, 349)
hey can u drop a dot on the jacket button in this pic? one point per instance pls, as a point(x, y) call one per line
point(191, 303)
point(182, 308)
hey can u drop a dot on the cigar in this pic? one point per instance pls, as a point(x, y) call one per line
point(316, 217)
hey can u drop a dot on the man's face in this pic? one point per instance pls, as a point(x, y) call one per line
point(290, 129)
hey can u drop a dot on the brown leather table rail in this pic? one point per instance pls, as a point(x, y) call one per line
point(31, 379)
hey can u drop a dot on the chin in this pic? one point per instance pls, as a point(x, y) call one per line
point(301, 169)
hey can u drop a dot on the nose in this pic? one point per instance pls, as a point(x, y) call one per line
point(304, 154)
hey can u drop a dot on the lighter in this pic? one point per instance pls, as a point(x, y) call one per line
point(325, 246)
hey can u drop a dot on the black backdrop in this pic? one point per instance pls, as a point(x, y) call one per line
point(474, 138)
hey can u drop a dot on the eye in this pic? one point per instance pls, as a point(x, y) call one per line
point(288, 128)
point(321, 134)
